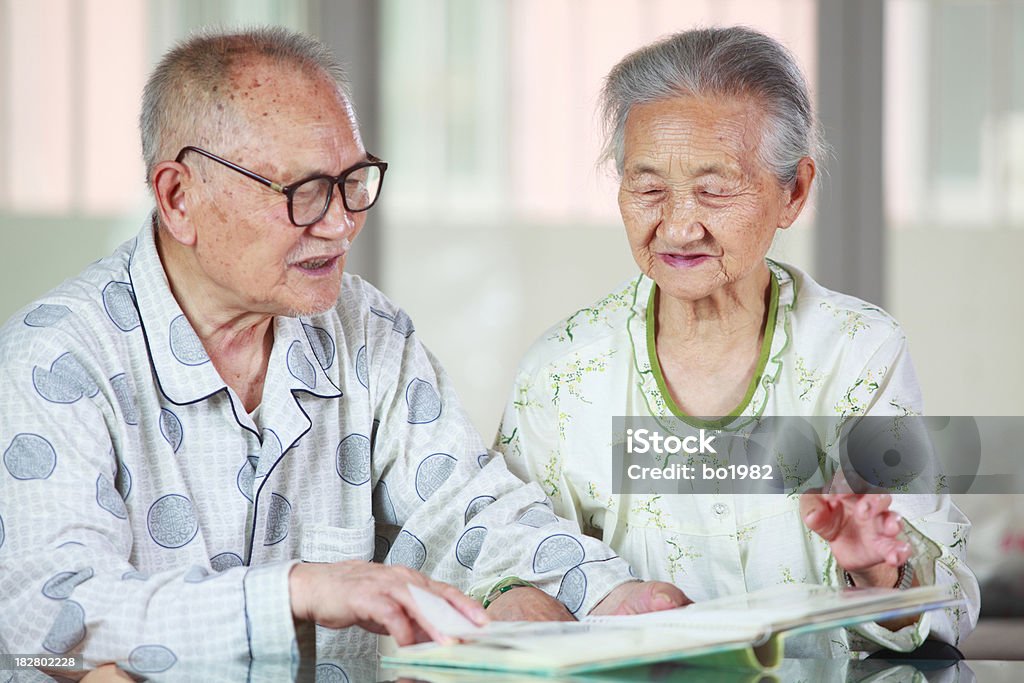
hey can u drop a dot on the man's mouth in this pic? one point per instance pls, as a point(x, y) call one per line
point(313, 264)
point(318, 265)
point(324, 262)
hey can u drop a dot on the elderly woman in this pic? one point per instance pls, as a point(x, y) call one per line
point(714, 140)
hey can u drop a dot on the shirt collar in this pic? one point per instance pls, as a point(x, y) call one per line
point(182, 367)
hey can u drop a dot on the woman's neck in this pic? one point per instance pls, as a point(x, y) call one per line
point(731, 314)
point(709, 350)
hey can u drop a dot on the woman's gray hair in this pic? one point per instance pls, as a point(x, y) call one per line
point(734, 61)
point(188, 98)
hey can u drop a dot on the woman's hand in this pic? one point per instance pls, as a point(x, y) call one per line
point(861, 530)
point(638, 597)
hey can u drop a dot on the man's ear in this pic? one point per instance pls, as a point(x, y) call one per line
point(796, 196)
point(172, 183)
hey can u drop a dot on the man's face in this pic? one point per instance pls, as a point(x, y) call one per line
point(246, 247)
point(699, 206)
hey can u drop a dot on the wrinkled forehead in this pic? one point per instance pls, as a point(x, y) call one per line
point(686, 134)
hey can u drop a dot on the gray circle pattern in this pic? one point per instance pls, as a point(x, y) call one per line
point(573, 589)
point(60, 586)
point(45, 315)
point(246, 475)
point(408, 551)
point(353, 459)
point(119, 301)
point(483, 459)
point(279, 519)
point(109, 499)
point(123, 481)
point(123, 391)
point(330, 673)
point(469, 545)
point(537, 517)
point(362, 370)
point(560, 551)
point(321, 343)
point(476, 505)
point(2, 535)
point(68, 629)
point(224, 561)
point(299, 366)
point(30, 456)
point(65, 382)
point(172, 521)
point(270, 448)
point(403, 324)
point(423, 401)
point(171, 429)
point(151, 659)
point(432, 473)
point(185, 345)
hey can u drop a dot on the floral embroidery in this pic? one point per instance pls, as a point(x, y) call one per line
point(852, 321)
point(807, 378)
point(598, 313)
point(652, 508)
point(678, 553)
point(552, 473)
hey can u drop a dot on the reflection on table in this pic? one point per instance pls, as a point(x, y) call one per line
point(370, 669)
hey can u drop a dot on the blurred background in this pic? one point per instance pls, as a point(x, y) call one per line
point(496, 220)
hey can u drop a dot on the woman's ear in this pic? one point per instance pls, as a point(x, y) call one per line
point(172, 182)
point(796, 196)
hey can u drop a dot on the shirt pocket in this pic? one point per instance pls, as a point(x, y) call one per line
point(336, 544)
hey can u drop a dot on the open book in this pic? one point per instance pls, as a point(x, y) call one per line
point(741, 631)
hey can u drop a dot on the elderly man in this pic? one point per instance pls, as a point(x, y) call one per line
point(191, 417)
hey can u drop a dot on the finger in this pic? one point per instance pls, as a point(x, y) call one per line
point(825, 522)
point(889, 523)
point(877, 503)
point(416, 618)
point(419, 635)
point(392, 616)
point(896, 553)
point(659, 595)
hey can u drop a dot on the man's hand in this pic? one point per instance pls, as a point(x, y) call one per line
point(863, 533)
point(373, 596)
point(637, 597)
point(526, 603)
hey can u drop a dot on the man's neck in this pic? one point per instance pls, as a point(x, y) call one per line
point(238, 343)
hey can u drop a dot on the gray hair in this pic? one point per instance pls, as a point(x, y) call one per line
point(186, 99)
point(733, 61)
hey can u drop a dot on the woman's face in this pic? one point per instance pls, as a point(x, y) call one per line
point(699, 206)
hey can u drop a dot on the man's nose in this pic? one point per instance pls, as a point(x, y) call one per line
point(338, 221)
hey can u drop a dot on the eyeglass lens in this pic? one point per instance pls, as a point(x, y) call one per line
point(311, 199)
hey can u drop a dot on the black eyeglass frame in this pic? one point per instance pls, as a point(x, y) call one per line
point(289, 190)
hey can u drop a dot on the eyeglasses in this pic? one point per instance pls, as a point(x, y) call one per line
point(309, 198)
